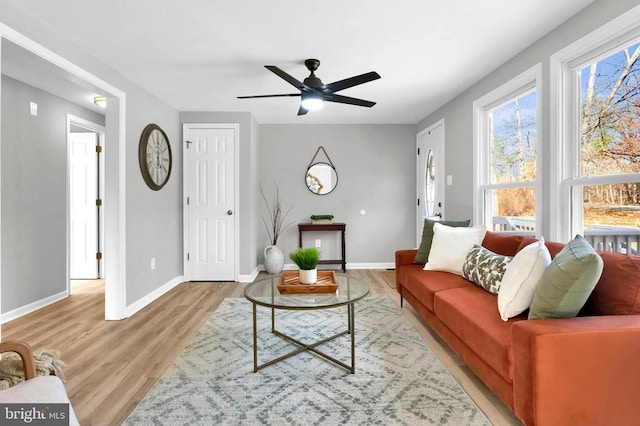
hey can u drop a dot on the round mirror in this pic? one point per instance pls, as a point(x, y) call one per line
point(321, 178)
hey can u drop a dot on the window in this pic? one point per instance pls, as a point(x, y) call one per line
point(506, 153)
point(598, 158)
point(610, 149)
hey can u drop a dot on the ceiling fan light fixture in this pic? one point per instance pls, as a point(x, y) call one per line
point(312, 102)
point(313, 93)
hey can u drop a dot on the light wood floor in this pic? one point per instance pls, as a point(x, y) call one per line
point(113, 364)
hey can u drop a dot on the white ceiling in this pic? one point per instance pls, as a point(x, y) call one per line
point(198, 55)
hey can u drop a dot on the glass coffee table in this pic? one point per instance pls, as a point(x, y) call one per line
point(265, 293)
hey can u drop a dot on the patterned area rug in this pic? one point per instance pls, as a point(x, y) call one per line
point(398, 380)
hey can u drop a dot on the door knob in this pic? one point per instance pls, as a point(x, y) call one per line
point(229, 212)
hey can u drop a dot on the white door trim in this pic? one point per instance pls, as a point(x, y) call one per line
point(115, 172)
point(185, 190)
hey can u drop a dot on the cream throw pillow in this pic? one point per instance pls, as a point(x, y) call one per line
point(520, 280)
point(450, 247)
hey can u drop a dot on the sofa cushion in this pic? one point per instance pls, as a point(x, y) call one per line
point(424, 285)
point(472, 314)
point(485, 268)
point(567, 283)
point(618, 290)
point(521, 279)
point(500, 243)
point(450, 247)
point(427, 237)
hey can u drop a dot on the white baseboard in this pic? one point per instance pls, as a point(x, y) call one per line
point(146, 300)
point(27, 309)
point(251, 277)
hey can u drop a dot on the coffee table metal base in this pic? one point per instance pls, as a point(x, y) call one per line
point(312, 347)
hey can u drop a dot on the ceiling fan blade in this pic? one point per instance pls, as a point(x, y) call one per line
point(352, 81)
point(269, 96)
point(289, 79)
point(302, 110)
point(348, 100)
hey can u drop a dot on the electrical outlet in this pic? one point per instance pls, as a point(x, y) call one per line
point(153, 263)
point(318, 243)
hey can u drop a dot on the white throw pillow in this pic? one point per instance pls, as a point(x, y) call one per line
point(520, 280)
point(451, 245)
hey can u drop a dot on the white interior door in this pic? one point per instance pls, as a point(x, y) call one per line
point(210, 167)
point(83, 225)
point(430, 175)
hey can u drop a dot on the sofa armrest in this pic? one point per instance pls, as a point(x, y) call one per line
point(403, 257)
point(577, 370)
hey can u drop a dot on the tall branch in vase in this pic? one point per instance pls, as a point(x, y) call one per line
point(275, 222)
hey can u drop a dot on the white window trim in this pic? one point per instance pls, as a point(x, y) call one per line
point(528, 80)
point(564, 125)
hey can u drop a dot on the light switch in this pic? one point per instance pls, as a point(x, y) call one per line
point(33, 108)
point(449, 180)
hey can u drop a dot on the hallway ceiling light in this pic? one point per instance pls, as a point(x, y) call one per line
point(101, 101)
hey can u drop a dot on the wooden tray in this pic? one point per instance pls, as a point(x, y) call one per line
point(290, 283)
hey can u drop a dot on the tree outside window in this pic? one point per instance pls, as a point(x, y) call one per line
point(610, 149)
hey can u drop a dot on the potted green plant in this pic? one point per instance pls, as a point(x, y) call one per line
point(318, 219)
point(307, 260)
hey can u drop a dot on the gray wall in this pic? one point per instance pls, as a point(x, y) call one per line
point(249, 165)
point(376, 173)
point(154, 218)
point(458, 113)
point(34, 201)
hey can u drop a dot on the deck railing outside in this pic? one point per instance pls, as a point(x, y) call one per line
point(619, 239)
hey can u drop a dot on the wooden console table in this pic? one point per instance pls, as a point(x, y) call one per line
point(311, 227)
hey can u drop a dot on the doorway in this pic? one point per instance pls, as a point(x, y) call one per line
point(43, 66)
point(85, 141)
point(430, 175)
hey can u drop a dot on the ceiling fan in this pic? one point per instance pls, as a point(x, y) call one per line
point(314, 93)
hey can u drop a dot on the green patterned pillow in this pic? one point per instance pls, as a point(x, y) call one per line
point(427, 237)
point(485, 268)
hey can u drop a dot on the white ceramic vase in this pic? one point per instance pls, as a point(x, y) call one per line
point(273, 260)
point(308, 276)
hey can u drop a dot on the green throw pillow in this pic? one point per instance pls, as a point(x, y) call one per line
point(567, 282)
point(427, 237)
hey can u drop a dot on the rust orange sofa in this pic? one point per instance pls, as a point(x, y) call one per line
point(571, 371)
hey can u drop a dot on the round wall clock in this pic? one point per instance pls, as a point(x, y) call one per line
point(154, 155)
